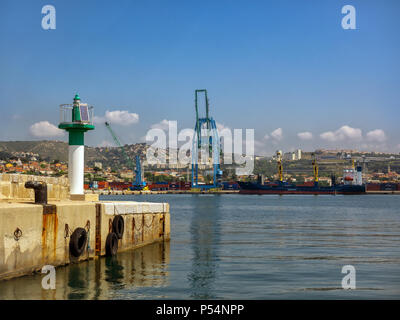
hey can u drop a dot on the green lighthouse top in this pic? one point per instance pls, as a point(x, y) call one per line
point(80, 120)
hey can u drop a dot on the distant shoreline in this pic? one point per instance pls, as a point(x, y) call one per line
point(127, 193)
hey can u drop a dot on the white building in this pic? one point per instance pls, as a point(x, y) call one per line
point(295, 155)
point(298, 154)
point(289, 156)
point(98, 165)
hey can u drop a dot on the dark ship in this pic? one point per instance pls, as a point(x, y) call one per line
point(352, 183)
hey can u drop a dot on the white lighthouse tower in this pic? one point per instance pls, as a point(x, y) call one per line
point(76, 119)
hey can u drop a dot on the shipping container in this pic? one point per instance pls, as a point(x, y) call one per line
point(159, 186)
point(373, 187)
point(230, 186)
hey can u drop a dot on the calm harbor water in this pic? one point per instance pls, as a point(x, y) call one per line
point(246, 247)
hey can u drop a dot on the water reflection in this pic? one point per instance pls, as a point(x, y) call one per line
point(205, 238)
point(114, 272)
point(77, 282)
point(99, 278)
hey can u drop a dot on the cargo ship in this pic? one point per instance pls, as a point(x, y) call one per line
point(352, 183)
point(287, 188)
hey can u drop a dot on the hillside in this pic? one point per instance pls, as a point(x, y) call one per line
point(45, 149)
point(58, 150)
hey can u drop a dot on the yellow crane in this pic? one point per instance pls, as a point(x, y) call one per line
point(315, 168)
point(280, 167)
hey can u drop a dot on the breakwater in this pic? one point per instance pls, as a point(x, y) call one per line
point(62, 231)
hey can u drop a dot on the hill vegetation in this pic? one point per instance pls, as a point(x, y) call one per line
point(50, 151)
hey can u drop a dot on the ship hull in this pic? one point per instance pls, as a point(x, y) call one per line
point(255, 188)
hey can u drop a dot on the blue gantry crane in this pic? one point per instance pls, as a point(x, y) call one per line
point(206, 145)
point(138, 184)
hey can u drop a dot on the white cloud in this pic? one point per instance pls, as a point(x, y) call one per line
point(266, 137)
point(123, 118)
point(163, 125)
point(221, 126)
point(305, 135)
point(45, 129)
point(260, 147)
point(118, 117)
point(377, 135)
point(330, 136)
point(105, 143)
point(223, 130)
point(343, 133)
point(277, 134)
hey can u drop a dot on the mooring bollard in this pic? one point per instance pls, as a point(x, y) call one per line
point(40, 191)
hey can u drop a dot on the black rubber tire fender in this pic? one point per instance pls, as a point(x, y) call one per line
point(77, 242)
point(118, 226)
point(111, 244)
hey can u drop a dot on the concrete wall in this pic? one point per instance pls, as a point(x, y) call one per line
point(12, 187)
point(57, 229)
point(24, 255)
point(144, 223)
point(30, 239)
point(43, 238)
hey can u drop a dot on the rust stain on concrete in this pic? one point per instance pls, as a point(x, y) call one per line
point(49, 236)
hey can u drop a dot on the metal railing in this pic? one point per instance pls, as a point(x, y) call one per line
point(66, 113)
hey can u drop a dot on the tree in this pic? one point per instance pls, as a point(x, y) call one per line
point(148, 176)
point(234, 176)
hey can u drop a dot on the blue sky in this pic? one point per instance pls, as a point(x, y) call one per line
point(267, 65)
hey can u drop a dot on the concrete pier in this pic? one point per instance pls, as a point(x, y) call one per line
point(30, 238)
point(34, 235)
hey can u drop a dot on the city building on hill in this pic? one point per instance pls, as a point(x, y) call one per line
point(295, 155)
point(289, 156)
point(98, 165)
